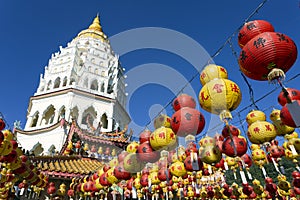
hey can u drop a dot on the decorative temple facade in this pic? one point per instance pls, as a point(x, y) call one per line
point(80, 97)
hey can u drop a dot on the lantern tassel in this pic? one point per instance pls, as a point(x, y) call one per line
point(225, 116)
point(276, 75)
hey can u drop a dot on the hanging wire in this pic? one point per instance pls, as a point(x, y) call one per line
point(251, 93)
point(229, 38)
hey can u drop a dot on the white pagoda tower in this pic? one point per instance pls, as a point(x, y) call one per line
point(83, 82)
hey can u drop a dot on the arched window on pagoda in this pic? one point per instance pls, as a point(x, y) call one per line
point(42, 89)
point(62, 113)
point(56, 83)
point(88, 116)
point(102, 87)
point(49, 85)
point(35, 119)
point(72, 81)
point(74, 113)
point(86, 83)
point(48, 116)
point(65, 81)
point(104, 121)
point(94, 85)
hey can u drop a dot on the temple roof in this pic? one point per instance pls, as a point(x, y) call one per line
point(117, 138)
point(67, 167)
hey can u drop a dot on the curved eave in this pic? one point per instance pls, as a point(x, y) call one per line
point(38, 131)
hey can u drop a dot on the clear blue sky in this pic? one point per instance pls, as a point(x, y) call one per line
point(32, 30)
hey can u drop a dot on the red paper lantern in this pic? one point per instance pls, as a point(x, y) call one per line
point(71, 193)
point(293, 94)
point(240, 145)
point(144, 180)
point(9, 158)
point(183, 100)
point(188, 163)
point(129, 184)
point(187, 121)
point(145, 136)
point(265, 52)
point(164, 174)
point(103, 180)
point(220, 164)
point(145, 153)
point(122, 155)
point(191, 148)
point(252, 29)
point(230, 129)
point(106, 167)
point(296, 179)
point(2, 124)
point(51, 188)
point(121, 173)
point(1, 137)
point(247, 160)
point(286, 116)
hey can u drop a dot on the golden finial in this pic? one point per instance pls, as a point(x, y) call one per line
point(96, 24)
point(94, 30)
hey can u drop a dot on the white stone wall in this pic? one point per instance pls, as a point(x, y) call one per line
point(55, 137)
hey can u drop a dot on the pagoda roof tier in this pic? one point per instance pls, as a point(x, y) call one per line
point(38, 131)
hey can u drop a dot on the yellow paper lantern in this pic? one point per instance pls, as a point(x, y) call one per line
point(211, 72)
point(281, 128)
point(210, 154)
point(114, 162)
point(6, 147)
point(207, 141)
point(177, 168)
point(260, 132)
point(162, 120)
point(98, 184)
point(255, 115)
point(231, 162)
point(258, 155)
point(163, 138)
point(154, 177)
point(132, 147)
point(110, 176)
point(132, 164)
point(137, 181)
point(220, 95)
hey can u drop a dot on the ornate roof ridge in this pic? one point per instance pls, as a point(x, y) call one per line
point(104, 135)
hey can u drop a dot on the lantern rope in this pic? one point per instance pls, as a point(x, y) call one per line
point(229, 38)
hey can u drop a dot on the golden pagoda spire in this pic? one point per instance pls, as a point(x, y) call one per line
point(94, 30)
point(96, 24)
